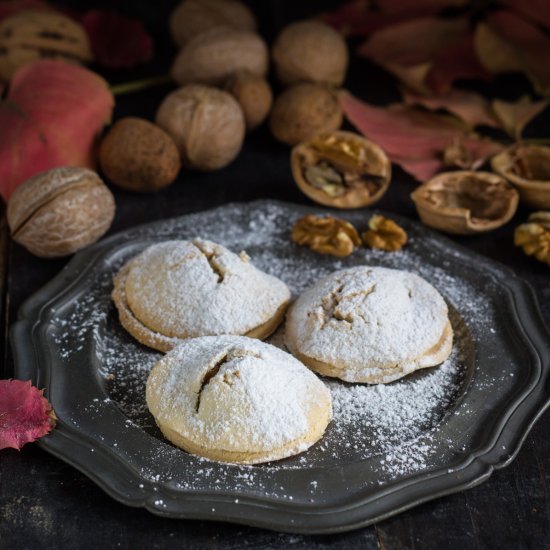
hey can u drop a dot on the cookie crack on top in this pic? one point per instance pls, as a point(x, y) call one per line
point(228, 377)
point(332, 302)
point(211, 258)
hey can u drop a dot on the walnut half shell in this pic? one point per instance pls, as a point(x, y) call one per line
point(527, 167)
point(465, 203)
point(341, 169)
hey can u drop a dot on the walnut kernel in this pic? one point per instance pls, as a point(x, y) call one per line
point(341, 169)
point(326, 235)
point(534, 236)
point(384, 234)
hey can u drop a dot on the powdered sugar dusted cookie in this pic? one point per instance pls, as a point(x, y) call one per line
point(369, 324)
point(183, 289)
point(236, 399)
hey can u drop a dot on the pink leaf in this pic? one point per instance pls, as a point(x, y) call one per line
point(471, 107)
point(536, 10)
point(51, 117)
point(530, 44)
point(426, 53)
point(117, 41)
point(422, 143)
point(25, 414)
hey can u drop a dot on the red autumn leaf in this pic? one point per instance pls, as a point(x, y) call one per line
point(515, 115)
point(507, 42)
point(421, 142)
point(362, 18)
point(11, 7)
point(117, 42)
point(536, 10)
point(25, 414)
point(51, 117)
point(427, 54)
point(470, 107)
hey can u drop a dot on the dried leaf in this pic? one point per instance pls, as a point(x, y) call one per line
point(51, 117)
point(515, 115)
point(538, 11)
point(25, 414)
point(427, 53)
point(421, 142)
point(117, 41)
point(361, 18)
point(507, 42)
point(471, 107)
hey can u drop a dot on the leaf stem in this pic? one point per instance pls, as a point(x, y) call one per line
point(138, 85)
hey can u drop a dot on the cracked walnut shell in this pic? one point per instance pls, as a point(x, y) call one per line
point(384, 234)
point(341, 169)
point(465, 202)
point(527, 168)
point(534, 236)
point(326, 235)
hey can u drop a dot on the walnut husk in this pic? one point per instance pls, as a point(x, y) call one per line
point(384, 234)
point(193, 17)
point(534, 236)
point(303, 111)
point(527, 168)
point(139, 156)
point(213, 57)
point(254, 96)
point(310, 51)
point(465, 202)
point(206, 124)
point(341, 169)
point(326, 235)
point(58, 212)
point(34, 34)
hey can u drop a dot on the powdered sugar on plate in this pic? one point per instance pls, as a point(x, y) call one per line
point(395, 429)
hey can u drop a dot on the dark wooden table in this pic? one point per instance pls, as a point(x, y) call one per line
point(45, 503)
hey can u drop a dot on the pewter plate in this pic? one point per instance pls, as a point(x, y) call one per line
point(388, 448)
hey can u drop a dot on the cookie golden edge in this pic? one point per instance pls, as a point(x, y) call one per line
point(148, 337)
point(432, 357)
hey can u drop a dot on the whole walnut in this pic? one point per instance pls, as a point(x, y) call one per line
point(193, 17)
point(310, 51)
point(206, 124)
point(303, 111)
point(60, 211)
point(139, 156)
point(32, 34)
point(253, 94)
point(212, 57)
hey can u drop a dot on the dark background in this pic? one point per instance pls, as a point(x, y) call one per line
point(45, 503)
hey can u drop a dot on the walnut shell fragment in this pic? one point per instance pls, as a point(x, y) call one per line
point(35, 34)
point(341, 169)
point(384, 234)
point(534, 236)
point(326, 235)
point(58, 212)
point(527, 167)
point(465, 202)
